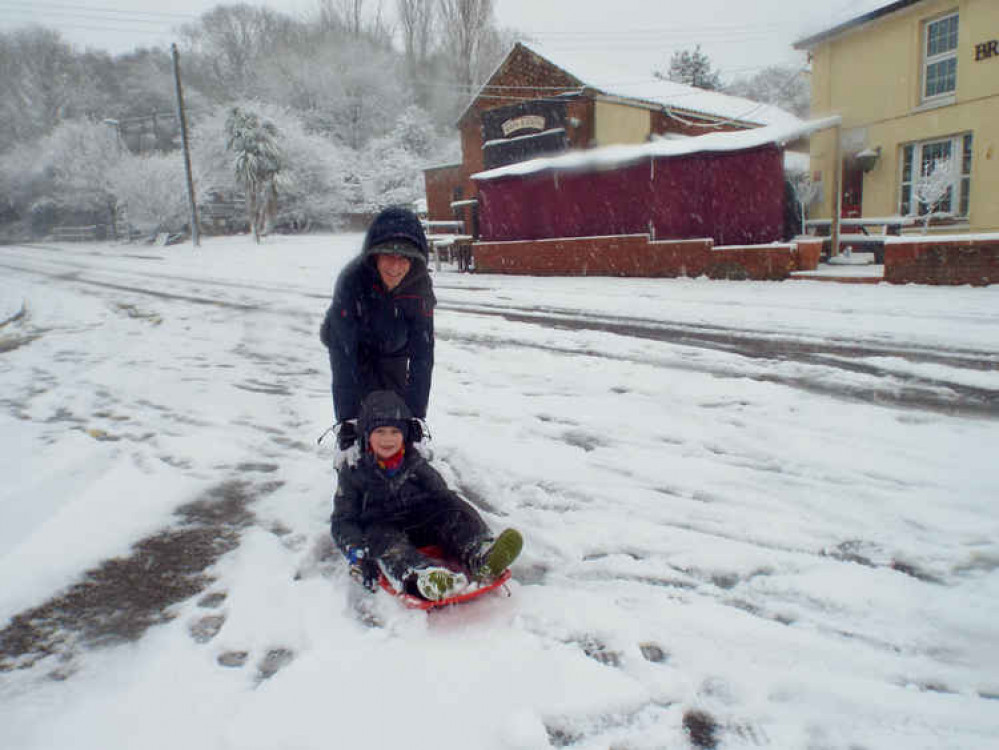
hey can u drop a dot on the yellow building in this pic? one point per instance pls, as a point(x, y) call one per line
point(917, 85)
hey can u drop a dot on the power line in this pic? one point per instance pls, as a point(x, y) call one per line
point(658, 32)
point(114, 30)
point(58, 23)
point(61, 7)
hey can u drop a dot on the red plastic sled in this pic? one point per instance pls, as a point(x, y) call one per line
point(416, 602)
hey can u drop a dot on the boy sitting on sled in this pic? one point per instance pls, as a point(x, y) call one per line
point(392, 503)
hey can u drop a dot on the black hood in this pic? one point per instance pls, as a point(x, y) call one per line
point(399, 231)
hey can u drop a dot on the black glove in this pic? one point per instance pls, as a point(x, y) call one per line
point(346, 434)
point(418, 430)
point(363, 569)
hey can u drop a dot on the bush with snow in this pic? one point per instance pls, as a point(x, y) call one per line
point(154, 189)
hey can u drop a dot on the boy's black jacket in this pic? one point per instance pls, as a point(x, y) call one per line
point(367, 327)
point(367, 498)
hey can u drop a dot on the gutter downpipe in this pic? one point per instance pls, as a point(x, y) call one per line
point(834, 226)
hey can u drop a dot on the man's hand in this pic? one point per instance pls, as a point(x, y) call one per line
point(418, 430)
point(346, 434)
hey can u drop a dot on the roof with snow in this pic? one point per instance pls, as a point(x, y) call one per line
point(875, 10)
point(608, 78)
point(619, 156)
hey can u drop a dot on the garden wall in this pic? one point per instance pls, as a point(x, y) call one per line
point(636, 255)
point(973, 259)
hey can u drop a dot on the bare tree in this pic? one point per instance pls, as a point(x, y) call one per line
point(230, 40)
point(416, 22)
point(351, 18)
point(465, 24)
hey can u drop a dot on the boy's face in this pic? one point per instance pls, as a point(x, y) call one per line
point(385, 441)
point(392, 269)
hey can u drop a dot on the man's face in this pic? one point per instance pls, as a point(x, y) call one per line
point(392, 269)
point(385, 441)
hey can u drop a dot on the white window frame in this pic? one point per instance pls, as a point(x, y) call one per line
point(940, 58)
point(961, 150)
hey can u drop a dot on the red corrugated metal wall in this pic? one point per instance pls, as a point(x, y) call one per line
point(733, 197)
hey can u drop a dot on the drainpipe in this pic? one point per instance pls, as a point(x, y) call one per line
point(837, 193)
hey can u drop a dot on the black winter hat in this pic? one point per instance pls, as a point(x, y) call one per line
point(383, 409)
point(397, 230)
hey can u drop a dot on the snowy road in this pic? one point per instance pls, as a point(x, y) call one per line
point(758, 514)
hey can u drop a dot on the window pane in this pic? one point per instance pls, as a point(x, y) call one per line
point(941, 36)
point(945, 202)
point(965, 196)
point(931, 153)
point(941, 77)
point(907, 164)
point(906, 206)
point(966, 156)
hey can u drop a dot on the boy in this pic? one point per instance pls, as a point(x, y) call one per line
point(392, 502)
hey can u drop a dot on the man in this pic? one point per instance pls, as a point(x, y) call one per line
point(379, 328)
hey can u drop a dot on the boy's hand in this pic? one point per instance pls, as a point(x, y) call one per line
point(363, 569)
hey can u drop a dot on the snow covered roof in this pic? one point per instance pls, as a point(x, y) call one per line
point(596, 72)
point(617, 156)
point(863, 11)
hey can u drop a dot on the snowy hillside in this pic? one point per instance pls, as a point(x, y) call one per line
point(757, 514)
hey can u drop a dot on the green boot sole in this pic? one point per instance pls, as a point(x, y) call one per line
point(501, 554)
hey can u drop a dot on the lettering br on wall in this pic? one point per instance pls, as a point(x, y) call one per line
point(987, 50)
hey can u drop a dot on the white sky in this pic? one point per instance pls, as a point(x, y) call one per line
point(740, 36)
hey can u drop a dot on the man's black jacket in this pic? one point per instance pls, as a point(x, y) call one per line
point(380, 339)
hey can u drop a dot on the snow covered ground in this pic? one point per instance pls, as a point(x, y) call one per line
point(757, 514)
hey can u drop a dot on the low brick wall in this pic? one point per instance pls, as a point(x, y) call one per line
point(951, 260)
point(809, 252)
point(637, 256)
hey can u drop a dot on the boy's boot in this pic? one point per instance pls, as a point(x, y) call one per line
point(497, 556)
point(435, 583)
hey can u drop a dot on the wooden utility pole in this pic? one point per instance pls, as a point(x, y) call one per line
point(182, 117)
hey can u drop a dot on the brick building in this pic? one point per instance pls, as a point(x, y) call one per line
point(539, 104)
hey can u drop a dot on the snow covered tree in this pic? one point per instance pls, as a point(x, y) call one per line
point(42, 83)
point(258, 162)
point(71, 167)
point(934, 186)
point(348, 90)
point(313, 189)
point(784, 86)
point(693, 69)
point(154, 191)
point(390, 169)
point(805, 191)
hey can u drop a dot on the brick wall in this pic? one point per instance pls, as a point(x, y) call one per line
point(938, 261)
point(636, 255)
point(438, 182)
point(809, 251)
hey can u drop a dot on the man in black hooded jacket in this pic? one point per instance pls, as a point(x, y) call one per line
point(379, 328)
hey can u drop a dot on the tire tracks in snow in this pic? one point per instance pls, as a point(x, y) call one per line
point(830, 356)
point(901, 390)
